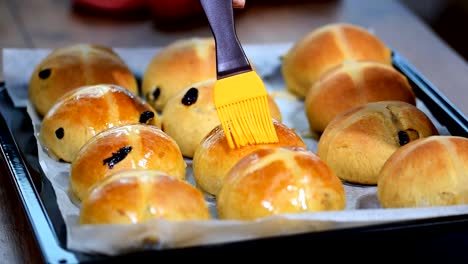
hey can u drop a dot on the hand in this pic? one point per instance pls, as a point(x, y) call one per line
point(238, 3)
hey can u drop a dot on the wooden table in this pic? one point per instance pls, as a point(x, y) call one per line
point(48, 24)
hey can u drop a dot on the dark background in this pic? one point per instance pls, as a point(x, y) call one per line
point(448, 18)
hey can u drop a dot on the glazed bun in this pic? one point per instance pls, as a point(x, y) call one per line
point(214, 158)
point(428, 172)
point(191, 114)
point(279, 180)
point(356, 144)
point(133, 146)
point(354, 84)
point(74, 66)
point(326, 47)
point(176, 67)
point(88, 110)
point(134, 196)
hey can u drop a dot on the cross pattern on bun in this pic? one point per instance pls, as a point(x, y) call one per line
point(191, 114)
point(431, 171)
point(357, 143)
point(135, 196)
point(279, 180)
point(351, 84)
point(70, 67)
point(133, 146)
point(326, 47)
point(214, 158)
point(86, 111)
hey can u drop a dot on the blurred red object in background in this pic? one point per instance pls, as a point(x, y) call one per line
point(159, 9)
point(165, 10)
point(111, 5)
point(174, 9)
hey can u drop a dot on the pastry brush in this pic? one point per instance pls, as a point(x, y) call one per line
point(240, 96)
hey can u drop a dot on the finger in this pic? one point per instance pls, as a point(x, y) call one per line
point(238, 3)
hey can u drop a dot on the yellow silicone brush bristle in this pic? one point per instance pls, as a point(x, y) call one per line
point(241, 102)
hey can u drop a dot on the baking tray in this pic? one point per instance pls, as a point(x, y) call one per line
point(431, 239)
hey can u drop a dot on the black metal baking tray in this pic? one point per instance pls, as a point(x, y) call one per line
point(434, 239)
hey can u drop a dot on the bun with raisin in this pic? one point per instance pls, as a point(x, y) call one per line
point(357, 143)
point(191, 114)
point(70, 67)
point(133, 146)
point(86, 111)
point(177, 66)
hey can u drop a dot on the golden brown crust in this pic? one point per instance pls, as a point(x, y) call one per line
point(326, 47)
point(134, 146)
point(213, 158)
point(74, 66)
point(357, 142)
point(279, 180)
point(191, 114)
point(135, 196)
point(88, 110)
point(354, 84)
point(428, 172)
point(176, 67)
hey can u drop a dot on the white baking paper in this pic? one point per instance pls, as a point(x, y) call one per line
point(362, 206)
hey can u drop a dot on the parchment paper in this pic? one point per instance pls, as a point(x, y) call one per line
point(362, 206)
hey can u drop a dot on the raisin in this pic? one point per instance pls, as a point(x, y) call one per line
point(403, 138)
point(45, 73)
point(190, 96)
point(60, 133)
point(145, 116)
point(117, 156)
point(156, 93)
